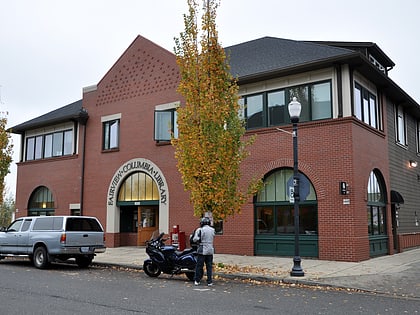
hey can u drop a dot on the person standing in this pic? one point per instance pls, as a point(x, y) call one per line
point(205, 236)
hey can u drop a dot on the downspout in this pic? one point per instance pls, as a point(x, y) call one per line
point(339, 91)
point(83, 117)
point(351, 91)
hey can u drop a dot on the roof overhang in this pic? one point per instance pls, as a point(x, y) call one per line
point(72, 112)
point(357, 62)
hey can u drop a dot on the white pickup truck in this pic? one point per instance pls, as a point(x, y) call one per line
point(53, 239)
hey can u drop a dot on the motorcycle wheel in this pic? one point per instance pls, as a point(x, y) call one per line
point(151, 269)
point(190, 275)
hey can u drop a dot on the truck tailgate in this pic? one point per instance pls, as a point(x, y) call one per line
point(84, 239)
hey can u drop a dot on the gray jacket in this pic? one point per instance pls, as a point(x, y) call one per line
point(207, 236)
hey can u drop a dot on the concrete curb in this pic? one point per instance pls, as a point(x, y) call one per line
point(255, 277)
point(282, 280)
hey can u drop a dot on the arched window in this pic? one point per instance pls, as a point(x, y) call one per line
point(138, 186)
point(41, 202)
point(376, 205)
point(277, 187)
point(274, 211)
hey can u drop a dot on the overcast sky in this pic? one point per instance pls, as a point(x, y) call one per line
point(51, 49)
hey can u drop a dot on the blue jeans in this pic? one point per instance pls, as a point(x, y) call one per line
point(201, 259)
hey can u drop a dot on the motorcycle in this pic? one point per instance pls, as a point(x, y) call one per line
point(167, 259)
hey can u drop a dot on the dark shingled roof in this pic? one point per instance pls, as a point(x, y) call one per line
point(268, 54)
point(73, 111)
point(266, 58)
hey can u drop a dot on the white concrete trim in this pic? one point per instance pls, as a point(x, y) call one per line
point(90, 88)
point(125, 170)
point(111, 117)
point(167, 106)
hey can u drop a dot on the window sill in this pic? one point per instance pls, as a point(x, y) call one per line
point(162, 142)
point(51, 159)
point(402, 146)
point(110, 150)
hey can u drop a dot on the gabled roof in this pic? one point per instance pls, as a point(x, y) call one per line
point(269, 55)
point(73, 111)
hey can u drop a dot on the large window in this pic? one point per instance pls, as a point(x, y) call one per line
point(38, 147)
point(54, 144)
point(254, 110)
point(376, 206)
point(276, 103)
point(366, 107)
point(111, 134)
point(166, 124)
point(41, 202)
point(276, 220)
point(400, 126)
point(138, 186)
point(270, 108)
point(30, 148)
point(321, 101)
point(275, 212)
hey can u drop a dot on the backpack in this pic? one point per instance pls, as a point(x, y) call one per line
point(192, 243)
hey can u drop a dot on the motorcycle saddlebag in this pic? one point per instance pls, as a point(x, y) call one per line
point(187, 261)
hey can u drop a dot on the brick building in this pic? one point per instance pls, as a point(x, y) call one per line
point(109, 154)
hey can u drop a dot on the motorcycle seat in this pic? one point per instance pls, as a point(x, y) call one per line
point(183, 252)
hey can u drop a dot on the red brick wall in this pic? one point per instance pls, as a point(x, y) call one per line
point(112, 239)
point(60, 175)
point(128, 239)
point(408, 240)
point(329, 152)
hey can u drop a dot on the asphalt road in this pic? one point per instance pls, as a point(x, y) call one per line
point(66, 289)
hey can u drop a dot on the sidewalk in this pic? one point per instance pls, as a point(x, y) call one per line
point(397, 274)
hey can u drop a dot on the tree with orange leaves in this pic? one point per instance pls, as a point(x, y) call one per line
point(6, 148)
point(210, 145)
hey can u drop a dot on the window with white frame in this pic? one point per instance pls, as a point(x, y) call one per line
point(401, 126)
point(166, 125)
point(366, 107)
point(111, 132)
point(53, 144)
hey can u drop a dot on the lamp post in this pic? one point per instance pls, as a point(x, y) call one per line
point(294, 113)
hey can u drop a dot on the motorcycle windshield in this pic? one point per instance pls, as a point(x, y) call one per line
point(155, 235)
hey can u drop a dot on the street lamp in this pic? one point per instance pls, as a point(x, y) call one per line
point(294, 113)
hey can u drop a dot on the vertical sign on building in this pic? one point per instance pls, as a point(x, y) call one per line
point(291, 194)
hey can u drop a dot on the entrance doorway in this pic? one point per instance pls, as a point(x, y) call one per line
point(138, 199)
point(394, 218)
point(148, 223)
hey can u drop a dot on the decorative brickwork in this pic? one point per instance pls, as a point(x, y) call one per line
point(141, 71)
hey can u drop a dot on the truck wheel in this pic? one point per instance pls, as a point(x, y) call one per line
point(84, 261)
point(41, 257)
point(151, 269)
